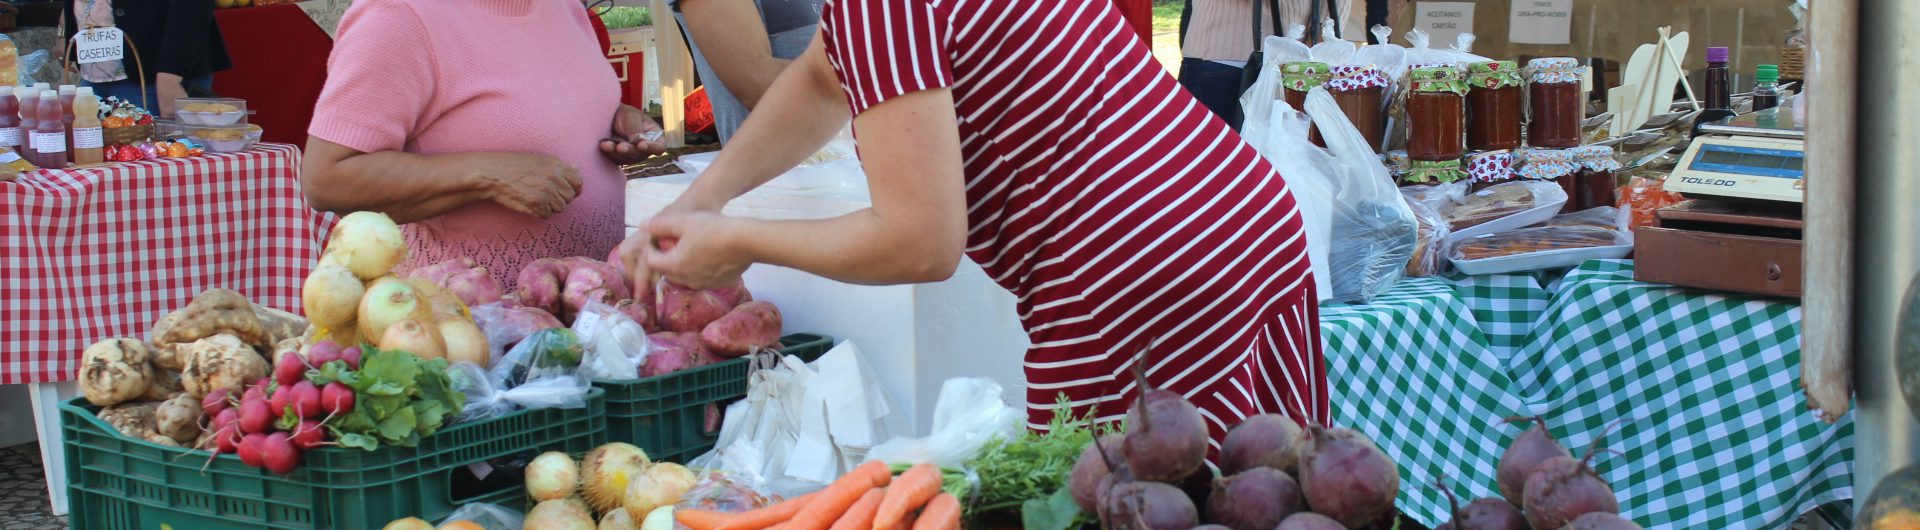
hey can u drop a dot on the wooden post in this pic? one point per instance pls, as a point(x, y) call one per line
point(1827, 347)
point(676, 74)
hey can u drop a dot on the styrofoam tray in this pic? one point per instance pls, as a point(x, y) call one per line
point(1522, 219)
point(1546, 259)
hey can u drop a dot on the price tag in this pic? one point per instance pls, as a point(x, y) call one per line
point(99, 45)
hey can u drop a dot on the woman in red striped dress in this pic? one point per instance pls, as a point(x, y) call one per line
point(1043, 141)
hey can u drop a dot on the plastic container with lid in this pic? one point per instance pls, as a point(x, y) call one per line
point(1556, 102)
point(1436, 122)
point(1496, 105)
point(1296, 79)
point(1360, 91)
point(211, 111)
point(220, 138)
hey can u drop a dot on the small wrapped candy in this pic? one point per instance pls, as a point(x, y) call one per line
point(152, 150)
point(175, 150)
point(145, 119)
point(127, 153)
point(114, 122)
point(197, 152)
point(190, 143)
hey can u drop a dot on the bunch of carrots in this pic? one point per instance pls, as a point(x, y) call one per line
point(869, 498)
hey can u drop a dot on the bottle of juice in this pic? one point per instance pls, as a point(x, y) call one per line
point(29, 118)
point(66, 118)
point(50, 136)
point(88, 144)
point(9, 119)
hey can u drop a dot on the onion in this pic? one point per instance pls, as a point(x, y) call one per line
point(331, 295)
point(618, 520)
point(410, 523)
point(368, 243)
point(465, 342)
point(660, 519)
point(662, 485)
point(415, 337)
point(558, 515)
point(389, 300)
point(606, 471)
point(552, 475)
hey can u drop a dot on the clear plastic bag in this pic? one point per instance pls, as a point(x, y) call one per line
point(1332, 49)
point(726, 492)
point(968, 415)
point(1537, 239)
point(1604, 217)
point(1502, 200)
point(1299, 163)
point(488, 516)
point(543, 371)
point(1430, 239)
point(484, 398)
point(616, 346)
point(1373, 229)
point(507, 325)
point(30, 66)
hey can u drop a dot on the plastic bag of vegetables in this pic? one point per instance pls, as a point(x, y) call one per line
point(969, 414)
point(616, 346)
point(542, 371)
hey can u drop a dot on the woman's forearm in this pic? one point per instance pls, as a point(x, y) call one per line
point(858, 248)
point(405, 186)
point(730, 34)
point(802, 112)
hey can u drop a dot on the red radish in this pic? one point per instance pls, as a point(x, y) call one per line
point(278, 453)
point(249, 449)
point(309, 435)
point(306, 399)
point(1527, 451)
point(255, 417)
point(336, 399)
point(292, 369)
point(265, 383)
point(215, 402)
point(1166, 437)
point(226, 430)
point(320, 357)
point(1269, 440)
point(279, 400)
point(1347, 478)
point(253, 393)
point(351, 356)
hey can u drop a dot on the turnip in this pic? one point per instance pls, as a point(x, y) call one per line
point(1533, 446)
point(306, 399)
point(291, 369)
point(1270, 440)
point(415, 336)
point(255, 417)
point(308, 435)
point(439, 272)
point(1166, 437)
point(367, 243)
point(641, 313)
point(1602, 521)
point(1481, 514)
point(1254, 499)
point(465, 342)
point(1310, 521)
point(249, 449)
point(1141, 505)
point(331, 294)
point(1562, 489)
point(553, 475)
point(1346, 478)
point(336, 399)
point(1091, 470)
point(390, 300)
point(672, 352)
point(278, 454)
point(351, 356)
point(558, 515)
point(661, 485)
point(592, 281)
point(216, 402)
point(606, 471)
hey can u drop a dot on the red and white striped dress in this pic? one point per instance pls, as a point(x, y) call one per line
point(1116, 208)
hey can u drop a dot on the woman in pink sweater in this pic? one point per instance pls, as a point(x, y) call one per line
point(492, 129)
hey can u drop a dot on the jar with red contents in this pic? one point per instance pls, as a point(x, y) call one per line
point(1555, 103)
point(1436, 124)
point(1295, 80)
point(1555, 165)
point(1594, 185)
point(1360, 90)
point(1496, 105)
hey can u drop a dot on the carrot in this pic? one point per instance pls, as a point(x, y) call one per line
point(829, 504)
point(907, 523)
point(860, 516)
point(942, 513)
point(909, 492)
point(701, 519)
point(760, 518)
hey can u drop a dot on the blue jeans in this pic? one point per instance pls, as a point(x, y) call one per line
point(1216, 85)
point(129, 90)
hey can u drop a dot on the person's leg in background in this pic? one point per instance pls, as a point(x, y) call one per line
point(1216, 85)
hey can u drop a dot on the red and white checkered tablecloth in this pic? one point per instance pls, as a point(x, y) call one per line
point(103, 252)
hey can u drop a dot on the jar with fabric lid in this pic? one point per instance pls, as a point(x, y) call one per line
point(1555, 102)
point(1594, 184)
point(1295, 80)
point(1496, 105)
point(1436, 121)
point(1556, 165)
point(1360, 90)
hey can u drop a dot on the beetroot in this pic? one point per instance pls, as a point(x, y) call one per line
point(1309, 521)
point(306, 399)
point(278, 454)
point(1166, 437)
point(336, 399)
point(1482, 514)
point(1269, 440)
point(1526, 452)
point(1562, 489)
point(1602, 521)
point(1148, 506)
point(1347, 478)
point(1090, 471)
point(1255, 499)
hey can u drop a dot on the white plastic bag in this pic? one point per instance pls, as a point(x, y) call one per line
point(488, 516)
point(538, 372)
point(483, 396)
point(1332, 49)
point(1299, 162)
point(1263, 97)
point(801, 425)
point(1373, 231)
point(616, 345)
point(968, 415)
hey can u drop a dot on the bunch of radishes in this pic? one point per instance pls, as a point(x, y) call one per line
point(1133, 480)
point(1555, 490)
point(275, 419)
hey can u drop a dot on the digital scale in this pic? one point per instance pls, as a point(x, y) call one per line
point(1740, 231)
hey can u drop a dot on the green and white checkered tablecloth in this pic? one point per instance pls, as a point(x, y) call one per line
point(1714, 431)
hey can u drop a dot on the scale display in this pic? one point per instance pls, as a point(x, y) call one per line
point(1754, 161)
point(1740, 166)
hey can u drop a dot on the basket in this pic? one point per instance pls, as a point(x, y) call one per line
point(131, 134)
point(120, 483)
point(667, 415)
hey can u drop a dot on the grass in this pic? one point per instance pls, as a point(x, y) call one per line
point(1166, 16)
point(1166, 33)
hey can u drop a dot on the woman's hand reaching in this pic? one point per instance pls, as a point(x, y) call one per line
point(693, 248)
point(634, 137)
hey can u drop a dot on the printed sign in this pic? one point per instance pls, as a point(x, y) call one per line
point(1443, 21)
point(99, 45)
point(1541, 22)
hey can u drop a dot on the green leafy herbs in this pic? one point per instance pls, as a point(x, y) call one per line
point(1030, 473)
point(621, 17)
point(1056, 512)
point(398, 398)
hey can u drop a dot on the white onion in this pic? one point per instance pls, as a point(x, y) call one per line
point(368, 243)
point(465, 342)
point(389, 300)
point(662, 485)
point(331, 295)
point(552, 475)
point(415, 337)
point(558, 515)
point(606, 471)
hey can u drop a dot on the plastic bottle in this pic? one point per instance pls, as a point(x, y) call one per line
point(29, 119)
point(66, 118)
point(50, 136)
point(9, 119)
point(1719, 103)
point(1766, 87)
point(89, 147)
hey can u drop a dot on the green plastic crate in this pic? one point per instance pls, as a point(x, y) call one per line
point(119, 483)
point(666, 415)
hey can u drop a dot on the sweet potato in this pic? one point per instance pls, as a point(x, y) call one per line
point(641, 313)
point(474, 286)
point(439, 272)
point(751, 326)
point(686, 310)
point(672, 352)
point(592, 281)
point(539, 283)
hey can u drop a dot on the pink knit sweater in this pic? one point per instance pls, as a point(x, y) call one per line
point(437, 77)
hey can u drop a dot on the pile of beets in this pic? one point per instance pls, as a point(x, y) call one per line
point(1555, 490)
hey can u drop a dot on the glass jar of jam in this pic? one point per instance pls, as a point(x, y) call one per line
point(1360, 91)
point(1594, 185)
point(1553, 95)
point(1489, 168)
point(1436, 123)
point(1554, 165)
point(1495, 105)
point(1295, 80)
